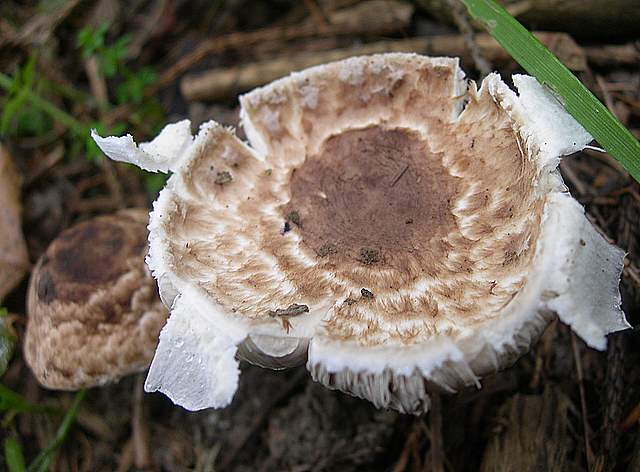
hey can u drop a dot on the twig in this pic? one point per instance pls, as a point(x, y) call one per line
point(112, 182)
point(616, 388)
point(409, 445)
point(632, 419)
point(221, 82)
point(399, 176)
point(461, 19)
point(261, 419)
point(614, 394)
point(101, 204)
point(40, 27)
point(608, 160)
point(41, 164)
point(607, 97)
point(435, 418)
point(385, 17)
point(583, 401)
point(87, 452)
point(572, 177)
point(126, 456)
point(96, 81)
point(613, 55)
point(99, 89)
point(317, 14)
point(631, 271)
point(152, 19)
point(88, 183)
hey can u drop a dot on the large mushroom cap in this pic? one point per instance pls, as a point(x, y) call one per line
point(94, 312)
point(393, 227)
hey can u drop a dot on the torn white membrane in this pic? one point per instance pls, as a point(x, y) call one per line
point(160, 155)
point(241, 284)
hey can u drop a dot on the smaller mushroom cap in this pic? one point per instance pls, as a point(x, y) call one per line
point(94, 312)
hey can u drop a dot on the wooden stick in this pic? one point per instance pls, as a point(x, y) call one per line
point(413, 436)
point(613, 55)
point(262, 418)
point(435, 423)
point(376, 17)
point(462, 21)
point(96, 81)
point(583, 402)
point(222, 82)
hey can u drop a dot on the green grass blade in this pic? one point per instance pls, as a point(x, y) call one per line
point(43, 460)
point(544, 66)
point(13, 455)
point(54, 112)
point(10, 400)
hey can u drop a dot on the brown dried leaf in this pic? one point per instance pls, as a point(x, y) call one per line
point(14, 259)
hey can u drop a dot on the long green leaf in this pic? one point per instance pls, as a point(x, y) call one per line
point(544, 66)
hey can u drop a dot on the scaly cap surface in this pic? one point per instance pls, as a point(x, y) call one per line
point(393, 227)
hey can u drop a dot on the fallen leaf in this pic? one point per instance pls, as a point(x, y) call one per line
point(14, 259)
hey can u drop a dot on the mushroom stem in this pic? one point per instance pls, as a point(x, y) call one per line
point(139, 426)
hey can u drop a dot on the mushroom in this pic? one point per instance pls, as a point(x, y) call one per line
point(94, 314)
point(388, 223)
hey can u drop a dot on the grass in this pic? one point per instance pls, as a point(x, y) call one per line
point(575, 97)
point(12, 404)
point(43, 460)
point(26, 110)
point(26, 95)
point(14, 456)
point(30, 105)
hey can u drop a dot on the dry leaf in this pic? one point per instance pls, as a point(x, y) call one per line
point(14, 259)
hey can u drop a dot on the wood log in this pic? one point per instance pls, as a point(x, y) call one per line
point(372, 17)
point(588, 19)
point(221, 83)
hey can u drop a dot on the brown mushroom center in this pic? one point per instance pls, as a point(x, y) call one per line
point(370, 193)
